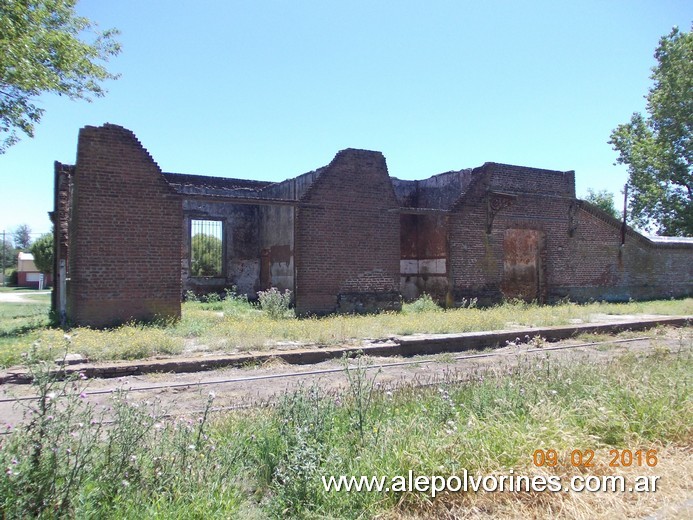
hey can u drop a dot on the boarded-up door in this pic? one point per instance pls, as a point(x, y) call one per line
point(522, 264)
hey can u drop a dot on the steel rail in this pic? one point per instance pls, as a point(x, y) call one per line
point(333, 370)
point(318, 372)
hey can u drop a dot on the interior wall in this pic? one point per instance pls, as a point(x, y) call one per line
point(276, 227)
point(423, 256)
point(242, 247)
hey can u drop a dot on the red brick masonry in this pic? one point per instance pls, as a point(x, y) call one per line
point(344, 238)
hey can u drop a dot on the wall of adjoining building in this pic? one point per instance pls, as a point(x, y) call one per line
point(276, 234)
point(424, 256)
point(596, 266)
point(436, 192)
point(424, 248)
point(124, 233)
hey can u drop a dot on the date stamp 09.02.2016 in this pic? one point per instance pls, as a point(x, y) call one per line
point(586, 458)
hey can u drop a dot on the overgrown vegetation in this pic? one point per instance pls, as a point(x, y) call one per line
point(63, 461)
point(230, 323)
point(275, 303)
point(423, 304)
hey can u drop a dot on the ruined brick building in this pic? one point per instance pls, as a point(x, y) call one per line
point(346, 237)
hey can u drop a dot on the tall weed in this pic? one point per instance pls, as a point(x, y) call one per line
point(275, 303)
point(424, 303)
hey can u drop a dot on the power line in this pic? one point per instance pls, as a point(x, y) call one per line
point(11, 233)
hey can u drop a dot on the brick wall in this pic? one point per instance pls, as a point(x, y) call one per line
point(339, 237)
point(125, 233)
point(476, 260)
point(347, 238)
point(596, 266)
point(535, 180)
point(581, 257)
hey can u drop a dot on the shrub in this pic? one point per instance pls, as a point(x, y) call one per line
point(275, 303)
point(47, 457)
point(305, 420)
point(424, 304)
point(212, 297)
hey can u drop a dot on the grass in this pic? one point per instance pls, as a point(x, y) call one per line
point(254, 330)
point(233, 324)
point(16, 318)
point(268, 462)
point(20, 324)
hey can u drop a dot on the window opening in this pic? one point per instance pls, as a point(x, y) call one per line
point(206, 248)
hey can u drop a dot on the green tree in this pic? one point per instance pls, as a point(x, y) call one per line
point(22, 237)
point(206, 255)
point(604, 200)
point(8, 253)
point(45, 47)
point(658, 148)
point(42, 250)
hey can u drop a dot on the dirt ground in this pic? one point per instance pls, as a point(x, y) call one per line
point(188, 393)
point(20, 297)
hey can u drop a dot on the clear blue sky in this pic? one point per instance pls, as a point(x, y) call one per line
point(272, 89)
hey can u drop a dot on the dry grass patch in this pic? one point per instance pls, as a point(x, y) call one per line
point(132, 341)
point(233, 325)
point(673, 490)
point(254, 330)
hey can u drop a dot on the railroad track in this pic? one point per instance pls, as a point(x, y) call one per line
point(453, 363)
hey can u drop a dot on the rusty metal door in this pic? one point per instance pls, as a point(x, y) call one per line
point(523, 251)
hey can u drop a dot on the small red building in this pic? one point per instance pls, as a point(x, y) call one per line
point(28, 275)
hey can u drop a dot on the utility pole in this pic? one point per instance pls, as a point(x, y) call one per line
point(625, 214)
point(4, 283)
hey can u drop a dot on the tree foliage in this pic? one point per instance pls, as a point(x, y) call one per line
point(604, 200)
point(206, 255)
point(42, 250)
point(45, 47)
point(657, 149)
point(8, 253)
point(22, 237)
